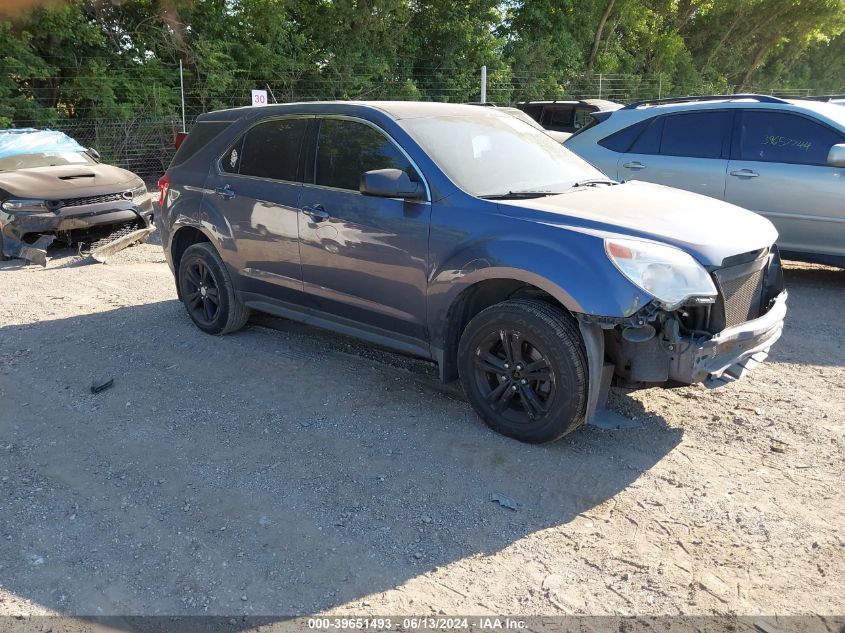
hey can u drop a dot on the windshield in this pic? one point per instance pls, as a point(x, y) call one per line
point(497, 155)
point(44, 159)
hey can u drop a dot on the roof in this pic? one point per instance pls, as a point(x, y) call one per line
point(601, 104)
point(395, 109)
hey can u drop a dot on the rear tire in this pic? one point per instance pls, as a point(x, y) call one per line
point(523, 368)
point(208, 293)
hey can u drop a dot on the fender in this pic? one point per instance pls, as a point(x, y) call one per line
point(568, 269)
point(192, 211)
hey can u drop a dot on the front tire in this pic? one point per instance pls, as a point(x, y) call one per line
point(523, 368)
point(208, 293)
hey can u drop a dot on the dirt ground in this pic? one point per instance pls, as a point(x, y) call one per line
point(286, 470)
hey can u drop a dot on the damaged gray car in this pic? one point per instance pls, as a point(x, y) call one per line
point(54, 190)
point(466, 236)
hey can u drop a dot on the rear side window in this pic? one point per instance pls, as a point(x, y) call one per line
point(199, 136)
point(695, 134)
point(649, 140)
point(622, 140)
point(347, 149)
point(558, 119)
point(778, 137)
point(269, 150)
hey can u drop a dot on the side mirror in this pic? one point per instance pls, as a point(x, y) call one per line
point(836, 156)
point(391, 183)
point(93, 154)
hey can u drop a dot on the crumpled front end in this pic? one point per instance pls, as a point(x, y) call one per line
point(702, 343)
point(101, 224)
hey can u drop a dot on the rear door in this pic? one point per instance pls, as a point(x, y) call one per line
point(779, 169)
point(363, 257)
point(688, 150)
point(257, 185)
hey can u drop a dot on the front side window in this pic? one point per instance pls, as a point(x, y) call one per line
point(779, 137)
point(582, 118)
point(695, 134)
point(347, 149)
point(268, 150)
point(493, 155)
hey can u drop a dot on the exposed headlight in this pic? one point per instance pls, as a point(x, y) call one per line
point(669, 274)
point(36, 206)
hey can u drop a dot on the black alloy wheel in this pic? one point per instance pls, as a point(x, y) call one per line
point(203, 295)
point(207, 291)
point(514, 376)
point(524, 370)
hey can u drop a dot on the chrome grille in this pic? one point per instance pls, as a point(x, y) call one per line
point(106, 197)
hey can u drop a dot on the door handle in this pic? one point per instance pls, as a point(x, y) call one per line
point(744, 173)
point(316, 212)
point(226, 192)
point(634, 166)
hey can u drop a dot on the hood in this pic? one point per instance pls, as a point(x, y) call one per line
point(67, 181)
point(560, 137)
point(708, 229)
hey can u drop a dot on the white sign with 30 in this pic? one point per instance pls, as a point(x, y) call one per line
point(259, 97)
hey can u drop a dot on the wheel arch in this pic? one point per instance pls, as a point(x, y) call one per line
point(471, 300)
point(184, 236)
point(571, 271)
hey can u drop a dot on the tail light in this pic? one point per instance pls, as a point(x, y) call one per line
point(179, 138)
point(163, 186)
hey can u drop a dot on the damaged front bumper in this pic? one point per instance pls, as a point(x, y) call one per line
point(711, 344)
point(732, 352)
point(28, 235)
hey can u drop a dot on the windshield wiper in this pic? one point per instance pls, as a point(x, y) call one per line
point(519, 195)
point(593, 182)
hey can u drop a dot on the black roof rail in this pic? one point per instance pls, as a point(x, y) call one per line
point(760, 98)
point(822, 97)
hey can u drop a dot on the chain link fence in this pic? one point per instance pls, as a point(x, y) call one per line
point(145, 145)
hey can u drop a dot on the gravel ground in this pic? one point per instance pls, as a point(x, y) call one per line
point(286, 470)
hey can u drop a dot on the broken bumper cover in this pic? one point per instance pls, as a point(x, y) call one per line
point(15, 228)
point(732, 352)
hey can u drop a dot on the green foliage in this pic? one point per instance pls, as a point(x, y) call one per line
point(119, 58)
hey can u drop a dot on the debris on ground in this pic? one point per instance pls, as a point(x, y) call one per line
point(101, 385)
point(504, 501)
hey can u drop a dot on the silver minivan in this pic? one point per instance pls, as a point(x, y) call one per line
point(782, 158)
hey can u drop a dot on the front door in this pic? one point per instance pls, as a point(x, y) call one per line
point(781, 172)
point(688, 151)
point(257, 188)
point(363, 257)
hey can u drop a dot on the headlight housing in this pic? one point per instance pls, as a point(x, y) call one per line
point(32, 206)
point(139, 194)
point(665, 272)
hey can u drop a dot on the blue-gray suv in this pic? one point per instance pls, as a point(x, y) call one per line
point(465, 236)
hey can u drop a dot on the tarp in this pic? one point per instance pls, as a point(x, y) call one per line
point(32, 141)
